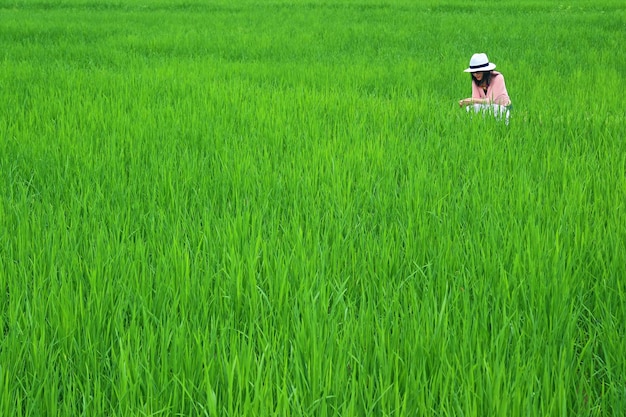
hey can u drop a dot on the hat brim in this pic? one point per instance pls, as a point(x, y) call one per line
point(489, 67)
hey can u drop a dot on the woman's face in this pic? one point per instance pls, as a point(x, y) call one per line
point(479, 76)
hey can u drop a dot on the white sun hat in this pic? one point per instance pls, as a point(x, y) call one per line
point(480, 62)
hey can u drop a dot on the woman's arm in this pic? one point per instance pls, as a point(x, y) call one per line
point(471, 100)
point(478, 97)
point(497, 91)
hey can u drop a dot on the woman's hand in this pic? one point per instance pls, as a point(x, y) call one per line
point(469, 101)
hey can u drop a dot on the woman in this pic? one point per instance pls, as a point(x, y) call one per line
point(488, 88)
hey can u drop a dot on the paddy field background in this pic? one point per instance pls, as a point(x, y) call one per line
point(276, 208)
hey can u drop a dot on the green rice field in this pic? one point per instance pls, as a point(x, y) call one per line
point(277, 208)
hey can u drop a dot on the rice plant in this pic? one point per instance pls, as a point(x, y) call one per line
point(278, 209)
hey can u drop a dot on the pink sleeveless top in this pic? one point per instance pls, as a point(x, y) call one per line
point(496, 91)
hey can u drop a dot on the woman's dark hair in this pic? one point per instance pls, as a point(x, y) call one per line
point(486, 78)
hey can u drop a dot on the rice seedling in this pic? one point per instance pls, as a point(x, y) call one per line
point(277, 208)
